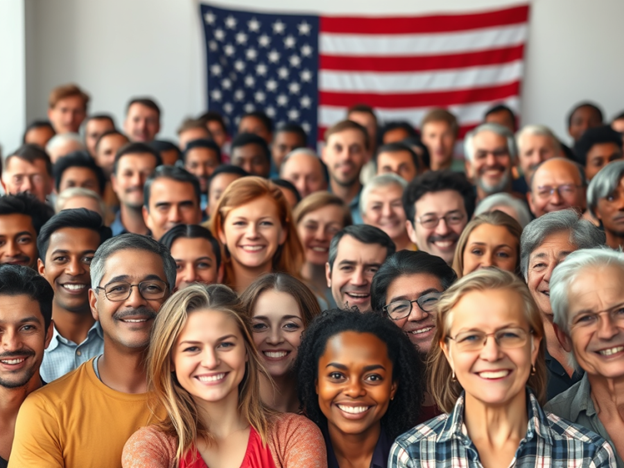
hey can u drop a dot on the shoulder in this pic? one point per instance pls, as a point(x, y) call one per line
point(149, 447)
point(295, 441)
point(561, 405)
point(568, 434)
point(429, 430)
point(285, 424)
point(60, 391)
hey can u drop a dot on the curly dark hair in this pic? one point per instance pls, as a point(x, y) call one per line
point(408, 368)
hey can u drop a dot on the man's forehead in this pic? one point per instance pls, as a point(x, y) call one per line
point(15, 222)
point(248, 150)
point(117, 264)
point(18, 164)
point(439, 202)
point(352, 250)
point(556, 172)
point(594, 299)
point(347, 136)
point(487, 138)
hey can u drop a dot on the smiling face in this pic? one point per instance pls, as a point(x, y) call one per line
point(68, 113)
point(345, 154)
point(563, 175)
point(491, 375)
point(132, 172)
point(400, 163)
point(491, 162)
point(488, 246)
point(440, 139)
point(599, 156)
point(142, 123)
point(610, 210)
point(384, 210)
point(316, 230)
point(195, 262)
point(305, 172)
point(82, 177)
point(277, 326)
point(18, 240)
point(209, 357)
point(354, 383)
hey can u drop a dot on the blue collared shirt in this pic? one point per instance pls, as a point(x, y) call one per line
point(117, 226)
point(63, 355)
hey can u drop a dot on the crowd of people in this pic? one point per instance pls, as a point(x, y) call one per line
point(239, 299)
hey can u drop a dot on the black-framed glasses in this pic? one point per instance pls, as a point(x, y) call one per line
point(432, 221)
point(506, 338)
point(564, 190)
point(401, 309)
point(148, 289)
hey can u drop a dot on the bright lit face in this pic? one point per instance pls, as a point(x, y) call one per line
point(491, 163)
point(23, 337)
point(277, 325)
point(142, 123)
point(316, 230)
point(344, 155)
point(67, 115)
point(352, 273)
point(18, 240)
point(252, 158)
point(491, 246)
point(21, 176)
point(533, 150)
point(384, 210)
point(82, 177)
point(218, 184)
point(542, 261)
point(304, 171)
point(565, 177)
point(610, 210)
point(106, 150)
point(201, 162)
point(354, 383)
point(132, 172)
point(400, 163)
point(94, 129)
point(283, 144)
point(253, 232)
point(583, 118)
point(492, 375)
point(439, 138)
point(440, 240)
point(195, 262)
point(598, 340)
point(209, 357)
point(599, 156)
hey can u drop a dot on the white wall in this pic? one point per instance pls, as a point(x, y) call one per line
point(119, 48)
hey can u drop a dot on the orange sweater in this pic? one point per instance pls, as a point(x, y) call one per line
point(294, 441)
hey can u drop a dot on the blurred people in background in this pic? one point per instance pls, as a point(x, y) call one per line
point(78, 197)
point(288, 137)
point(78, 169)
point(305, 170)
point(62, 144)
point(605, 200)
point(220, 180)
point(583, 116)
point(201, 158)
point(94, 127)
point(216, 126)
point(502, 115)
point(257, 123)
point(439, 131)
point(250, 152)
point(536, 144)
point(28, 169)
point(597, 147)
point(192, 129)
point(398, 158)
point(67, 108)
point(169, 151)
point(507, 204)
point(142, 121)
point(39, 133)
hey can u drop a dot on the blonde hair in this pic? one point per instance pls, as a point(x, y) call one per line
point(183, 421)
point(445, 390)
point(494, 218)
point(289, 257)
point(318, 200)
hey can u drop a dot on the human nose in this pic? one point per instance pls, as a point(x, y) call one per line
point(354, 388)
point(75, 267)
point(26, 185)
point(319, 233)
point(11, 249)
point(10, 340)
point(252, 230)
point(188, 275)
point(416, 313)
point(210, 358)
point(358, 278)
point(174, 215)
point(549, 271)
point(491, 350)
point(442, 227)
point(386, 209)
point(607, 327)
point(135, 299)
point(490, 159)
point(275, 335)
point(555, 198)
point(487, 260)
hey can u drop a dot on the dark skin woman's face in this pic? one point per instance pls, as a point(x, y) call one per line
point(354, 382)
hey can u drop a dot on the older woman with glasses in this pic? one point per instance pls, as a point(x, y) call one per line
point(487, 372)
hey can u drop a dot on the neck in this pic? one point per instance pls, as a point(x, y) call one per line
point(346, 193)
point(244, 276)
point(614, 240)
point(354, 450)
point(222, 417)
point(73, 326)
point(608, 396)
point(315, 275)
point(123, 369)
point(280, 396)
point(12, 398)
point(132, 219)
point(554, 347)
point(402, 242)
point(442, 166)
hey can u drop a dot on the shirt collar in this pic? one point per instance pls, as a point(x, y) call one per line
point(582, 400)
point(96, 328)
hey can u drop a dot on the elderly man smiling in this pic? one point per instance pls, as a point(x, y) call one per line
point(588, 303)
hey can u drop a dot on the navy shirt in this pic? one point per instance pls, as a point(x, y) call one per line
point(380, 454)
point(558, 379)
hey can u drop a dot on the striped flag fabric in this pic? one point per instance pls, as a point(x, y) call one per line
point(311, 69)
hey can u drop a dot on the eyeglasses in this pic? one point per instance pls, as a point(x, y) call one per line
point(432, 221)
point(148, 289)
point(507, 338)
point(398, 310)
point(565, 190)
point(590, 320)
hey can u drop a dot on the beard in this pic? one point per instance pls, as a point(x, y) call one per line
point(496, 188)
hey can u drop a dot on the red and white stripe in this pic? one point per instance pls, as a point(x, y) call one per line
point(405, 66)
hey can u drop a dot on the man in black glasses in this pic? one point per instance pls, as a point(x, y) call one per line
point(87, 416)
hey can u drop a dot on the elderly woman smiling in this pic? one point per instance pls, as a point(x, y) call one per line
point(588, 302)
point(487, 372)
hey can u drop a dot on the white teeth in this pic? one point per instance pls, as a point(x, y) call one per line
point(320, 249)
point(357, 296)
point(275, 354)
point(12, 361)
point(74, 287)
point(211, 378)
point(134, 320)
point(353, 409)
point(443, 243)
point(253, 248)
point(610, 351)
point(422, 330)
point(494, 375)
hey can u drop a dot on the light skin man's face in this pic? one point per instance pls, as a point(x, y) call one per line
point(201, 162)
point(503, 118)
point(400, 163)
point(93, 130)
point(67, 115)
point(251, 124)
point(79, 177)
point(142, 123)
point(304, 172)
point(132, 172)
point(533, 150)
point(556, 186)
point(490, 167)
point(106, 150)
point(344, 154)
point(439, 139)
point(217, 186)
point(39, 136)
point(367, 121)
point(22, 176)
point(199, 133)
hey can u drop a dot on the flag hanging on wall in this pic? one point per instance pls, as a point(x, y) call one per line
point(311, 69)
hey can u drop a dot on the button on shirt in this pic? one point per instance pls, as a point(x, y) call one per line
point(63, 355)
point(550, 441)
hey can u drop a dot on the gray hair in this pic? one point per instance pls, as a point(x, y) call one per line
point(583, 234)
point(489, 127)
point(490, 202)
point(63, 138)
point(72, 192)
point(131, 241)
point(604, 184)
point(540, 130)
point(382, 180)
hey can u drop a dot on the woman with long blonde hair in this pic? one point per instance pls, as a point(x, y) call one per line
point(203, 368)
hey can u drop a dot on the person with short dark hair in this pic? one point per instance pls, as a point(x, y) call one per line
point(94, 127)
point(201, 158)
point(355, 255)
point(21, 219)
point(67, 108)
point(438, 205)
point(67, 244)
point(258, 123)
point(217, 127)
point(134, 163)
point(28, 169)
point(287, 137)
point(366, 117)
point(503, 115)
point(289, 190)
point(251, 152)
point(397, 158)
point(171, 197)
point(78, 169)
point(605, 201)
point(583, 116)
point(439, 131)
point(142, 121)
point(25, 331)
point(305, 170)
point(168, 150)
point(397, 130)
point(597, 147)
point(38, 132)
point(192, 129)
point(106, 148)
point(617, 123)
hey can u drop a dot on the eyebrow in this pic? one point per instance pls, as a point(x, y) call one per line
point(485, 243)
point(608, 309)
point(366, 368)
point(127, 278)
point(447, 213)
point(285, 317)
point(64, 251)
point(21, 233)
point(28, 319)
point(502, 327)
point(222, 338)
point(404, 297)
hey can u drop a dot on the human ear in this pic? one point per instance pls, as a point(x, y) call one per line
point(564, 339)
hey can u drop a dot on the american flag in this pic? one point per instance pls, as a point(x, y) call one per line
point(311, 69)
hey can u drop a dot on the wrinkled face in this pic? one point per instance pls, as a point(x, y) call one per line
point(209, 357)
point(599, 156)
point(93, 130)
point(67, 115)
point(354, 382)
point(251, 124)
point(171, 203)
point(316, 230)
point(106, 150)
point(142, 123)
point(283, 144)
point(490, 167)
point(219, 134)
point(252, 158)
point(89, 203)
point(384, 209)
point(533, 150)
point(39, 136)
point(440, 140)
point(556, 186)
point(218, 184)
point(305, 173)
point(344, 155)
point(504, 118)
point(18, 240)
point(192, 134)
point(352, 273)
point(21, 176)
point(596, 321)
point(610, 210)
point(132, 172)
point(367, 121)
point(583, 118)
point(277, 325)
point(542, 261)
point(492, 374)
point(400, 163)
point(67, 266)
point(201, 162)
point(441, 239)
point(195, 262)
point(79, 177)
point(491, 246)
point(23, 337)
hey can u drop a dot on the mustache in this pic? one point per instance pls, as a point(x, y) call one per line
point(134, 189)
point(451, 236)
point(498, 167)
point(18, 258)
point(140, 311)
point(14, 354)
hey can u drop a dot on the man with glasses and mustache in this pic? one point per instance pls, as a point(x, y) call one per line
point(86, 417)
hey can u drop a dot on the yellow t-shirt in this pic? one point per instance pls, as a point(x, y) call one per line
point(76, 422)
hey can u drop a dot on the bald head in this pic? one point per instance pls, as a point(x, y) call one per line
point(303, 168)
point(557, 184)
